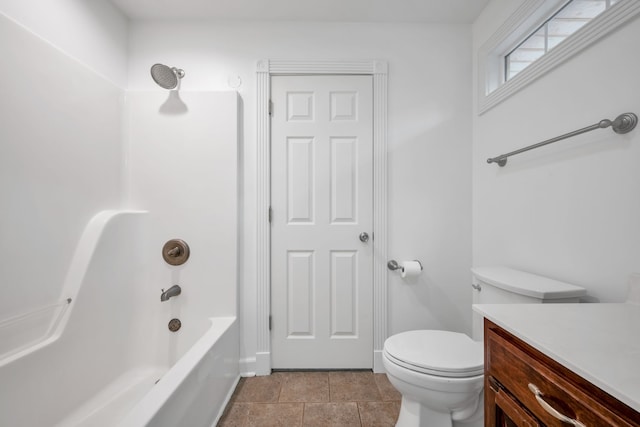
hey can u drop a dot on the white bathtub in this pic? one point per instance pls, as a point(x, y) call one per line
point(196, 389)
point(108, 358)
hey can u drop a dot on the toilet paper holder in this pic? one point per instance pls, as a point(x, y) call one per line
point(393, 265)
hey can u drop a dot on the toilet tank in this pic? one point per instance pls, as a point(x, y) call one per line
point(502, 285)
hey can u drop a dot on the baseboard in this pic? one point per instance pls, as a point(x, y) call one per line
point(248, 367)
point(378, 367)
point(263, 363)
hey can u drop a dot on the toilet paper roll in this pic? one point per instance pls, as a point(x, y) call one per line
point(410, 269)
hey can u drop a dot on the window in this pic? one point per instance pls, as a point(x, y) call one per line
point(569, 19)
point(538, 36)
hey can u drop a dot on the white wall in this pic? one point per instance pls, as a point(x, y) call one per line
point(60, 163)
point(429, 140)
point(92, 31)
point(570, 210)
point(183, 167)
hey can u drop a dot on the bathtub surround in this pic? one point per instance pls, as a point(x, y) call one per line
point(183, 169)
point(569, 210)
point(106, 268)
point(182, 165)
point(133, 368)
point(71, 147)
point(60, 163)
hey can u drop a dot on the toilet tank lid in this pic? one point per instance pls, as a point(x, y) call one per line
point(528, 284)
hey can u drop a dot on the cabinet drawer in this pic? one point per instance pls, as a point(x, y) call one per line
point(504, 409)
point(515, 365)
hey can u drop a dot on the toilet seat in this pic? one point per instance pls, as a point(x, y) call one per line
point(438, 353)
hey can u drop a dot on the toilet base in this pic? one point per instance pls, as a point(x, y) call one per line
point(413, 414)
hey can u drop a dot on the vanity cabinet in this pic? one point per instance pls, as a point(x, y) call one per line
point(523, 387)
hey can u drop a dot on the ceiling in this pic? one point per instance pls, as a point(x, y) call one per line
point(440, 11)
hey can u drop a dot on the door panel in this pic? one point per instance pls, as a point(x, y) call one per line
point(344, 172)
point(322, 199)
point(300, 188)
point(300, 290)
point(344, 291)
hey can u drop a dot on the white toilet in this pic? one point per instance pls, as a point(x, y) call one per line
point(440, 373)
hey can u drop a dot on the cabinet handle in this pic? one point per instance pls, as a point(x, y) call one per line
point(554, 413)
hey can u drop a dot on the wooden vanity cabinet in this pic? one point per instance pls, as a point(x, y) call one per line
point(514, 371)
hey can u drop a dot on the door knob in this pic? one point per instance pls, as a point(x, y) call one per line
point(364, 237)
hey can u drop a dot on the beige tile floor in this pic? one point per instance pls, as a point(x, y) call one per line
point(322, 399)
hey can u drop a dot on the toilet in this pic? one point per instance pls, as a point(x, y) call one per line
point(440, 373)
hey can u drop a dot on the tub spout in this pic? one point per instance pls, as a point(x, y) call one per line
point(173, 291)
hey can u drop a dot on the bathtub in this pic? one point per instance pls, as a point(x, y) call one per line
point(103, 356)
point(196, 389)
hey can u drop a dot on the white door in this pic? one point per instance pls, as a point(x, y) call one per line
point(322, 201)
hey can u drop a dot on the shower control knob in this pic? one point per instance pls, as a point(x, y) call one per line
point(364, 237)
point(175, 252)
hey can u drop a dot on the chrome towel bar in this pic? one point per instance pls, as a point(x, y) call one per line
point(624, 123)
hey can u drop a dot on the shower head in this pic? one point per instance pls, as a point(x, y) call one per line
point(166, 77)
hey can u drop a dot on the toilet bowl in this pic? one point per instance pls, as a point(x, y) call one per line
point(440, 373)
point(438, 387)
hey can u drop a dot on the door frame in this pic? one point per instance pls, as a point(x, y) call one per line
point(264, 70)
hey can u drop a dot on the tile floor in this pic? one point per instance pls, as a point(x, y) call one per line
point(327, 399)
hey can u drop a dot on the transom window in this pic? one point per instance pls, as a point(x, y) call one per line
point(566, 21)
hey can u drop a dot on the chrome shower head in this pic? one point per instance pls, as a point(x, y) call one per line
point(166, 77)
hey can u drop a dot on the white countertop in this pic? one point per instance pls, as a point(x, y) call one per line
point(599, 342)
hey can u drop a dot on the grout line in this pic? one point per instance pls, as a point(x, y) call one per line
point(359, 415)
point(280, 389)
point(329, 383)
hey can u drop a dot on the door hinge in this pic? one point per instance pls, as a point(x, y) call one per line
point(270, 214)
point(269, 322)
point(270, 107)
